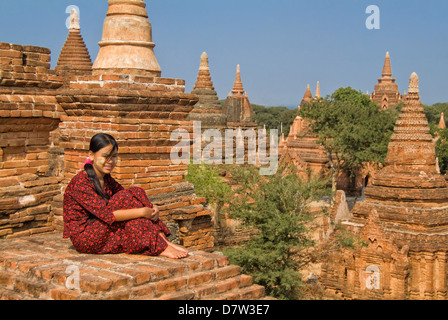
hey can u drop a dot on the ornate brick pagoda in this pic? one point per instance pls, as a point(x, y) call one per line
point(386, 93)
point(208, 110)
point(300, 147)
point(403, 222)
point(74, 58)
point(237, 107)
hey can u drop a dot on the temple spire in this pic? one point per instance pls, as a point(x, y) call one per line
point(74, 57)
point(204, 80)
point(308, 96)
point(317, 95)
point(442, 124)
point(387, 69)
point(238, 89)
point(74, 20)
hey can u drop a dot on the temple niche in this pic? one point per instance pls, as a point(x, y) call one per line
point(401, 226)
point(386, 93)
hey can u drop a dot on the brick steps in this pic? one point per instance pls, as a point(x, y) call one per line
point(38, 267)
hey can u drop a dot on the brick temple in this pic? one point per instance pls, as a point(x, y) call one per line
point(386, 93)
point(300, 147)
point(401, 225)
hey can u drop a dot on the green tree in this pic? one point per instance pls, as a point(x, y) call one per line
point(278, 207)
point(351, 128)
point(280, 118)
point(208, 183)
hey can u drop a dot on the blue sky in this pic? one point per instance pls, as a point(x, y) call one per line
point(281, 45)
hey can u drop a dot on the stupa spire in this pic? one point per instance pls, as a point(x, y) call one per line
point(442, 124)
point(411, 146)
point(204, 80)
point(74, 20)
point(126, 45)
point(74, 57)
point(387, 69)
point(308, 96)
point(317, 95)
point(238, 89)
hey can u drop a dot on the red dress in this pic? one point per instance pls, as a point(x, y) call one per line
point(90, 223)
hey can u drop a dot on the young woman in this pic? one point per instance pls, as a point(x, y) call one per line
point(102, 217)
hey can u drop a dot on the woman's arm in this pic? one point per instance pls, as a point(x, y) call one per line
point(131, 214)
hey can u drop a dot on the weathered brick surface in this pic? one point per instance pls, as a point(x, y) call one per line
point(29, 113)
point(37, 267)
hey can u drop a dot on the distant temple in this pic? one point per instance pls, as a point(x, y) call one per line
point(237, 107)
point(386, 92)
point(300, 147)
point(208, 110)
point(401, 225)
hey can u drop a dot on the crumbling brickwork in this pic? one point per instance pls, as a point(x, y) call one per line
point(29, 112)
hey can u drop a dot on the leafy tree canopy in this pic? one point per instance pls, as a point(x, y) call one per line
point(352, 129)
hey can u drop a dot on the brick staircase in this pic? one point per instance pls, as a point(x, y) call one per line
point(43, 267)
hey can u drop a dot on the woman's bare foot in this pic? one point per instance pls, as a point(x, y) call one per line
point(175, 245)
point(173, 253)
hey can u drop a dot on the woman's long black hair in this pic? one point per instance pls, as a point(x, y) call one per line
point(98, 142)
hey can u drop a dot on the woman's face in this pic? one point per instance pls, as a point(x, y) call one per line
point(104, 161)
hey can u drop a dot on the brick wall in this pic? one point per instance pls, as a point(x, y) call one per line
point(29, 113)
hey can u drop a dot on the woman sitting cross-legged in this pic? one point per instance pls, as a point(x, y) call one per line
point(102, 217)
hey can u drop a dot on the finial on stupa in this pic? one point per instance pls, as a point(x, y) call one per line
point(238, 89)
point(442, 124)
point(413, 84)
point(317, 95)
point(387, 69)
point(74, 20)
point(308, 96)
point(204, 62)
point(204, 80)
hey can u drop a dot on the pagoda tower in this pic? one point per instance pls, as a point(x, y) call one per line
point(442, 124)
point(307, 97)
point(300, 147)
point(74, 58)
point(237, 107)
point(208, 110)
point(126, 45)
point(402, 224)
point(317, 96)
point(386, 93)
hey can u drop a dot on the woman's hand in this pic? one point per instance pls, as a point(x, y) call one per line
point(151, 213)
